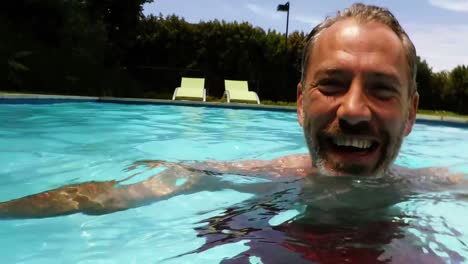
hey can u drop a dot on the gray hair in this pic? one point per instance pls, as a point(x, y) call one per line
point(365, 13)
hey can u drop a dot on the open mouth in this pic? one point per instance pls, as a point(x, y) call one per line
point(349, 144)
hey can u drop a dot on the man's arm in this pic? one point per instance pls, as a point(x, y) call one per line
point(102, 197)
point(439, 177)
point(110, 196)
point(65, 200)
point(291, 165)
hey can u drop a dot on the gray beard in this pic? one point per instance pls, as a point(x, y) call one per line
point(386, 158)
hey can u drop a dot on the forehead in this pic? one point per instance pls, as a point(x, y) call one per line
point(367, 46)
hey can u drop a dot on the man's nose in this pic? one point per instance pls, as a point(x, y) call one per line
point(354, 107)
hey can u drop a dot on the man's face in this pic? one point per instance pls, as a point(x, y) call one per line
point(354, 103)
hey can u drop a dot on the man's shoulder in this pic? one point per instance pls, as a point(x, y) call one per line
point(293, 165)
point(441, 175)
point(294, 160)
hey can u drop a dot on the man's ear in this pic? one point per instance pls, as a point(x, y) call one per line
point(299, 109)
point(413, 108)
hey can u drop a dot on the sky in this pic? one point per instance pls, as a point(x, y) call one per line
point(438, 28)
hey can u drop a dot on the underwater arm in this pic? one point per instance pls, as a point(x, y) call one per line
point(110, 196)
point(65, 200)
point(244, 167)
point(443, 175)
point(291, 165)
point(99, 197)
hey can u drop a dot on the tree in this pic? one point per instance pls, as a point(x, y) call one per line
point(458, 88)
point(107, 47)
point(428, 93)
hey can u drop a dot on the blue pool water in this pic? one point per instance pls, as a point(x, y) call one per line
point(47, 146)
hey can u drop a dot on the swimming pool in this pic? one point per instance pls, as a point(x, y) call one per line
point(47, 146)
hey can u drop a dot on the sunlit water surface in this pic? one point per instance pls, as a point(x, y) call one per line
point(46, 146)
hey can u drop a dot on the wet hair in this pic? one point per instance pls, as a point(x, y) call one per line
point(365, 13)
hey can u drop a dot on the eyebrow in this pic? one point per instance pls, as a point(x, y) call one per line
point(388, 78)
point(374, 75)
point(332, 72)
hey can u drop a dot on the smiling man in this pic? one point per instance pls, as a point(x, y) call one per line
point(356, 101)
point(357, 98)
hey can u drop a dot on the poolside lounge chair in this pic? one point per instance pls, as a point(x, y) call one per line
point(191, 88)
point(239, 91)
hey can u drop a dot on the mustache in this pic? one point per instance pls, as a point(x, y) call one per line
point(358, 128)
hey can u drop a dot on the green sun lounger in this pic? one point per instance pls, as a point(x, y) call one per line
point(239, 91)
point(191, 88)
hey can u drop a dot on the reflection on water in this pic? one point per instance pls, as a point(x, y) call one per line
point(330, 220)
point(230, 218)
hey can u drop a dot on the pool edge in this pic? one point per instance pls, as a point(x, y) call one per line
point(29, 98)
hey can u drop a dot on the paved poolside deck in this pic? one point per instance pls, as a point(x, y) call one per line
point(43, 98)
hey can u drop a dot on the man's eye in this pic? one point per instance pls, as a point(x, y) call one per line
point(384, 92)
point(329, 87)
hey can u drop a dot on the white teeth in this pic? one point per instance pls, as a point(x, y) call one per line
point(353, 142)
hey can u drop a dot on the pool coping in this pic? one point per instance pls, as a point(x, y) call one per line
point(23, 98)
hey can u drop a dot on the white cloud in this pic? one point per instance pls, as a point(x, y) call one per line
point(442, 46)
point(453, 5)
point(264, 12)
point(306, 19)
